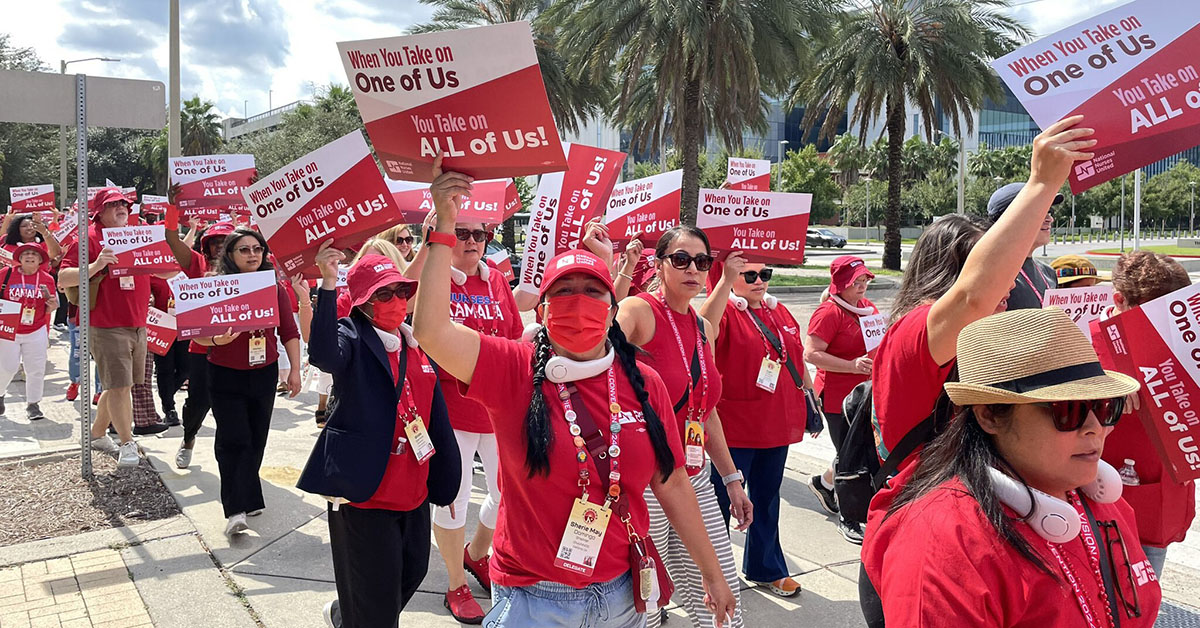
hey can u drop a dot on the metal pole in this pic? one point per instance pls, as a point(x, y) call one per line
point(779, 183)
point(62, 149)
point(1192, 221)
point(1122, 213)
point(85, 332)
point(1137, 209)
point(962, 176)
point(867, 222)
point(1072, 229)
point(173, 134)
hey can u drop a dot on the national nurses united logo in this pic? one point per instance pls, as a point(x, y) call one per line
point(1085, 170)
point(590, 515)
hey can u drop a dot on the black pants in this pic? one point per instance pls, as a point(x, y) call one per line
point(379, 559)
point(242, 402)
point(170, 371)
point(868, 600)
point(196, 406)
point(837, 429)
point(60, 315)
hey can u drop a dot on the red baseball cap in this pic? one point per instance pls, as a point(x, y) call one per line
point(221, 229)
point(844, 270)
point(31, 246)
point(575, 261)
point(373, 272)
point(106, 196)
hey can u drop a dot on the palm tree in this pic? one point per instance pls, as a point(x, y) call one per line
point(891, 53)
point(688, 69)
point(200, 132)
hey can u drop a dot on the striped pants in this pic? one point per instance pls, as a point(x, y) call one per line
point(689, 589)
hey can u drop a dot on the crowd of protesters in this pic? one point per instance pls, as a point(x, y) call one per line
point(623, 434)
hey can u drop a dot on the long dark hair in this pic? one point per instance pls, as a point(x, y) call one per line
point(13, 236)
point(936, 261)
point(230, 267)
point(965, 451)
point(538, 436)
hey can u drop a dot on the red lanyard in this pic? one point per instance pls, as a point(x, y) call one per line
point(1041, 294)
point(496, 315)
point(1093, 552)
point(692, 406)
point(412, 414)
point(614, 447)
point(767, 320)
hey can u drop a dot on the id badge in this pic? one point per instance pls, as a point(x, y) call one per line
point(258, 350)
point(768, 375)
point(171, 307)
point(418, 437)
point(27, 316)
point(581, 541)
point(126, 282)
point(694, 444)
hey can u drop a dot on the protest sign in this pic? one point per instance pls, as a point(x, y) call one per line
point(210, 306)
point(65, 232)
point(1083, 305)
point(209, 183)
point(140, 250)
point(152, 204)
point(491, 202)
point(503, 263)
point(748, 174)
point(473, 95)
point(29, 198)
point(334, 192)
point(1133, 72)
point(769, 227)
point(1160, 342)
point(647, 206)
point(10, 317)
point(160, 331)
point(565, 202)
point(873, 327)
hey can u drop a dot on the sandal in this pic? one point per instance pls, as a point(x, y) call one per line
point(784, 587)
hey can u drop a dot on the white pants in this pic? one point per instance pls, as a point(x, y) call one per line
point(31, 349)
point(469, 443)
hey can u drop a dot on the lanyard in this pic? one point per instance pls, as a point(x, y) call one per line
point(412, 414)
point(1093, 551)
point(692, 408)
point(614, 447)
point(497, 314)
point(1041, 293)
point(768, 319)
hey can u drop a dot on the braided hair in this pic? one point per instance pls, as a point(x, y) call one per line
point(538, 436)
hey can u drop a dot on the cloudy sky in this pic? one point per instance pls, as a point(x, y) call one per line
point(245, 52)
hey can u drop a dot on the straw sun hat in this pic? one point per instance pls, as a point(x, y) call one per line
point(1030, 356)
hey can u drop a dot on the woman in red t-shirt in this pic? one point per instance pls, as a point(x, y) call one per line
point(579, 433)
point(1010, 518)
point(242, 371)
point(835, 345)
point(676, 343)
point(33, 288)
point(28, 228)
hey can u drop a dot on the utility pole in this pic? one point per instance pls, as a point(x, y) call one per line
point(62, 131)
point(1123, 177)
point(173, 131)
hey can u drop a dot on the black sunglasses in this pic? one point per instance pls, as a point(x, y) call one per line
point(405, 240)
point(405, 291)
point(752, 276)
point(681, 260)
point(1123, 578)
point(1071, 415)
point(479, 235)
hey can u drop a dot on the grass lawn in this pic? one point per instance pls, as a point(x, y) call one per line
point(1164, 249)
point(798, 280)
point(879, 272)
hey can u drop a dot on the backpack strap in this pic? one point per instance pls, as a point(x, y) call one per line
point(920, 434)
point(4, 288)
point(778, 346)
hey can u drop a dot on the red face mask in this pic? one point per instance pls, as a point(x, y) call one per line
point(388, 315)
point(577, 322)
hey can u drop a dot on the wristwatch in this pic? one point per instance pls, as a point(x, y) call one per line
point(436, 237)
point(736, 476)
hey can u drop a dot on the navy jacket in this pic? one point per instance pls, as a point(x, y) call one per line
point(352, 452)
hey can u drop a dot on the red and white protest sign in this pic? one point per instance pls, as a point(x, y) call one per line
point(30, 198)
point(1160, 342)
point(210, 183)
point(10, 317)
point(565, 202)
point(66, 231)
point(872, 328)
point(160, 331)
point(491, 202)
point(333, 192)
point(473, 95)
point(503, 263)
point(210, 306)
point(1133, 72)
point(1083, 305)
point(152, 204)
point(647, 206)
point(748, 174)
point(140, 250)
point(769, 227)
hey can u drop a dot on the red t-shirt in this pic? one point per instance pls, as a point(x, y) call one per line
point(662, 354)
point(27, 290)
point(343, 303)
point(534, 511)
point(115, 307)
point(236, 355)
point(404, 485)
point(490, 312)
point(1164, 508)
point(939, 562)
point(839, 328)
point(750, 416)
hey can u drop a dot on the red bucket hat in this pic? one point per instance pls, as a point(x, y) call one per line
point(31, 246)
point(575, 261)
point(844, 270)
point(106, 196)
point(373, 272)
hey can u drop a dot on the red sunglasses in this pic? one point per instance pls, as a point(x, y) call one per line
point(1071, 415)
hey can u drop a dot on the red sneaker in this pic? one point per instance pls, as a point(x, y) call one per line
point(479, 569)
point(463, 606)
point(73, 391)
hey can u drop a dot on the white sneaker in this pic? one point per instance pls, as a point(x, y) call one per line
point(183, 458)
point(104, 444)
point(236, 524)
point(129, 456)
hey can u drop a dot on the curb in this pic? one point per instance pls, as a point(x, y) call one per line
point(58, 547)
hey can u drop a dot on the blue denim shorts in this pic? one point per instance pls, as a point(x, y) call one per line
point(603, 605)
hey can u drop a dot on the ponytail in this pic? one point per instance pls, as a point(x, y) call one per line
point(626, 353)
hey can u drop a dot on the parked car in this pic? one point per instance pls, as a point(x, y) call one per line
point(825, 238)
point(495, 253)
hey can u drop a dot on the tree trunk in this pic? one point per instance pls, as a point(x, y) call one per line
point(891, 237)
point(692, 141)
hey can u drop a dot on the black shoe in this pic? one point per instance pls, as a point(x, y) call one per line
point(147, 430)
point(332, 614)
point(851, 531)
point(825, 496)
point(171, 419)
point(320, 416)
point(1, 404)
point(33, 412)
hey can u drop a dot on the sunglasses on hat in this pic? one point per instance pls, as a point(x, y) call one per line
point(405, 291)
point(751, 276)
point(1071, 415)
point(479, 235)
point(681, 260)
